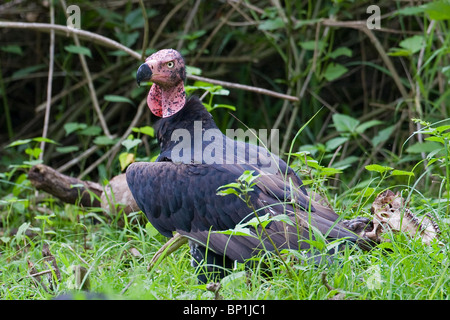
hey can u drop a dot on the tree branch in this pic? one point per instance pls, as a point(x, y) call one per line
point(101, 40)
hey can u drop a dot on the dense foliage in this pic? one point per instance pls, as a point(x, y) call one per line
point(372, 113)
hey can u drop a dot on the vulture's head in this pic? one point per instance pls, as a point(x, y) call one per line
point(167, 70)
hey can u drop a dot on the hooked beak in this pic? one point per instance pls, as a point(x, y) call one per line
point(144, 73)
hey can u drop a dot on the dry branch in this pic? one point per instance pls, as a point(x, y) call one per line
point(86, 35)
point(68, 189)
point(83, 193)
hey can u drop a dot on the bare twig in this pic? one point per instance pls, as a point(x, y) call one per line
point(145, 42)
point(361, 25)
point(116, 45)
point(119, 143)
point(212, 34)
point(417, 93)
point(76, 86)
point(77, 159)
point(91, 87)
point(41, 273)
point(165, 21)
point(96, 38)
point(51, 261)
point(244, 87)
point(35, 275)
point(188, 24)
point(49, 81)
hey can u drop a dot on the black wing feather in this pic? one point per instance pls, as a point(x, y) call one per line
point(182, 198)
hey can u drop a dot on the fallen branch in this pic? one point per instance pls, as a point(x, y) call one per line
point(67, 189)
point(84, 193)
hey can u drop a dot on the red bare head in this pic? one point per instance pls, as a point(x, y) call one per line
point(166, 69)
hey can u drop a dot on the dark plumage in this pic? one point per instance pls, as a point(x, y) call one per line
point(178, 192)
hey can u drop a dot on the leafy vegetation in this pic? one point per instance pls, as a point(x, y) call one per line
point(375, 101)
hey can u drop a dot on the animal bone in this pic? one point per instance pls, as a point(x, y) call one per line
point(390, 213)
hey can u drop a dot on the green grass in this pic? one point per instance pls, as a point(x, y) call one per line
point(400, 269)
point(366, 121)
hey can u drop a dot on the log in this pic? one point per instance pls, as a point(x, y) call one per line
point(67, 189)
point(112, 197)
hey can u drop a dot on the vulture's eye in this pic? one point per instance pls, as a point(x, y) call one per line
point(170, 64)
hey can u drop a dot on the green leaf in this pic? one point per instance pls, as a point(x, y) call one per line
point(311, 45)
point(409, 11)
point(193, 70)
point(78, 50)
point(383, 135)
point(193, 35)
point(366, 125)
point(345, 163)
point(128, 39)
point(227, 191)
point(397, 52)
point(33, 162)
point(91, 131)
point(441, 129)
point(116, 98)
point(224, 106)
point(21, 231)
point(73, 126)
point(104, 140)
point(151, 230)
point(437, 139)
point(18, 143)
point(367, 192)
point(427, 146)
point(345, 123)
point(67, 149)
point(335, 142)
point(329, 171)
point(341, 51)
point(42, 139)
point(272, 24)
point(317, 244)
point(378, 168)
point(12, 48)
point(255, 222)
point(145, 130)
point(310, 162)
point(413, 44)
point(438, 10)
point(47, 218)
point(283, 218)
point(22, 72)
point(408, 46)
point(135, 19)
point(238, 231)
point(219, 91)
point(301, 23)
point(125, 160)
point(130, 144)
point(248, 177)
point(402, 173)
point(34, 152)
point(334, 71)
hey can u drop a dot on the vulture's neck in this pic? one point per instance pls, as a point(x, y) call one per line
point(192, 112)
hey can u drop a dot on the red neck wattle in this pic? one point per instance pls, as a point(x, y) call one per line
point(166, 102)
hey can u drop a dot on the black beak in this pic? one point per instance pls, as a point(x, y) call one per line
point(144, 73)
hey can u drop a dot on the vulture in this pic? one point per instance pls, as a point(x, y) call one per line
point(179, 191)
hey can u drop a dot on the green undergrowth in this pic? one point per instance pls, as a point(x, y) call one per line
point(116, 252)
